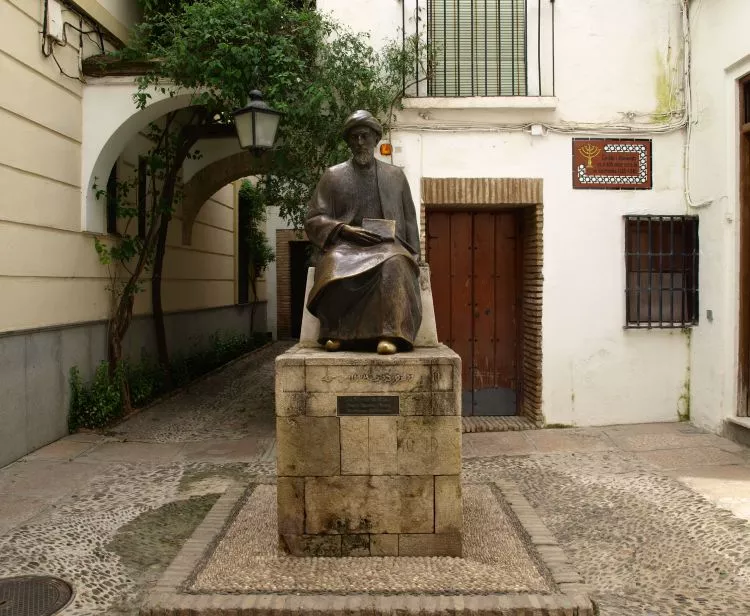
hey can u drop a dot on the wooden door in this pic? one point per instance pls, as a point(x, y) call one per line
point(474, 262)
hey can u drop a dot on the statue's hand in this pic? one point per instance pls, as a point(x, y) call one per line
point(357, 235)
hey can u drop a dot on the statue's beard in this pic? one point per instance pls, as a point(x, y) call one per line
point(363, 158)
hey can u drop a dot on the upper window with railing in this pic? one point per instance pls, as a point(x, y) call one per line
point(481, 47)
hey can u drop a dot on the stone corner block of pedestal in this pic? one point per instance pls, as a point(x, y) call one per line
point(307, 446)
point(368, 445)
point(354, 449)
point(429, 445)
point(355, 545)
point(377, 504)
point(290, 498)
point(311, 545)
point(448, 504)
point(382, 450)
point(290, 373)
point(290, 403)
point(384, 545)
point(448, 544)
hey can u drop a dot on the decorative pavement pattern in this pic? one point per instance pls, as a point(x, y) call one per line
point(644, 512)
point(495, 559)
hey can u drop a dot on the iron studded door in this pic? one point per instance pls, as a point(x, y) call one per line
point(474, 260)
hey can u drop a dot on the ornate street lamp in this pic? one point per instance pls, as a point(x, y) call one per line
point(256, 123)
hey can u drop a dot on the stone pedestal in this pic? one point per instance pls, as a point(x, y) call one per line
point(369, 452)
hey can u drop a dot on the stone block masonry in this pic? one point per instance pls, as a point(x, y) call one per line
point(369, 453)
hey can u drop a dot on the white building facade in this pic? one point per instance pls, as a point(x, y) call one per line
point(624, 293)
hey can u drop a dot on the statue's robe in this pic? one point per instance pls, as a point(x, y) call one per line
point(365, 293)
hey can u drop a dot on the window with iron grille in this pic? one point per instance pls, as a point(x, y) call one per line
point(661, 260)
point(477, 47)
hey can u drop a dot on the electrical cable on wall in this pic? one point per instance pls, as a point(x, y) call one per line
point(49, 43)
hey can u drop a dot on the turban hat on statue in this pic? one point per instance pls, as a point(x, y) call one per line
point(362, 118)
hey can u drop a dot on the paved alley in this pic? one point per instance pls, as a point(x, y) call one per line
point(653, 516)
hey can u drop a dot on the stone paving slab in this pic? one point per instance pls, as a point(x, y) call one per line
point(689, 457)
point(671, 427)
point(483, 444)
point(222, 450)
point(48, 479)
point(133, 452)
point(658, 441)
point(727, 487)
point(63, 449)
point(233, 553)
point(570, 440)
point(18, 509)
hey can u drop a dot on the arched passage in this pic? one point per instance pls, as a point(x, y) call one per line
point(211, 178)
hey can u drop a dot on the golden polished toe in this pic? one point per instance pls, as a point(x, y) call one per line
point(386, 347)
point(333, 345)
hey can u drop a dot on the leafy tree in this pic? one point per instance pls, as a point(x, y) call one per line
point(308, 67)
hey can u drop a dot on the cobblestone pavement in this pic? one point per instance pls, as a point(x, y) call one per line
point(653, 516)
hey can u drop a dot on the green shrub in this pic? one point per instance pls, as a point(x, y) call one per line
point(99, 403)
point(146, 380)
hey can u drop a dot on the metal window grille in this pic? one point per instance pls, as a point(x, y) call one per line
point(661, 257)
point(477, 47)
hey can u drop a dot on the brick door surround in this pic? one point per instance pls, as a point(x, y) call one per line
point(482, 194)
point(283, 280)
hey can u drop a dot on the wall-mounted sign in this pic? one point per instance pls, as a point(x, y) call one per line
point(612, 163)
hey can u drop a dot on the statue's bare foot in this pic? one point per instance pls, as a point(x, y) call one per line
point(333, 345)
point(386, 347)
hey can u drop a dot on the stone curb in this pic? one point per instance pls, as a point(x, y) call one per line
point(497, 424)
point(167, 598)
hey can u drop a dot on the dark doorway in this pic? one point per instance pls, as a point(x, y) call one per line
point(299, 261)
point(743, 407)
point(476, 280)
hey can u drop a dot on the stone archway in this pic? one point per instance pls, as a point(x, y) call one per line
point(110, 121)
point(211, 178)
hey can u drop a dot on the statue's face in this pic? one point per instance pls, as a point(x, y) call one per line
point(362, 141)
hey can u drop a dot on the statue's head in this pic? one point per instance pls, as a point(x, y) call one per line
point(362, 133)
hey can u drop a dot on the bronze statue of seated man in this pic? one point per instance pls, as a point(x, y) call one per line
point(362, 219)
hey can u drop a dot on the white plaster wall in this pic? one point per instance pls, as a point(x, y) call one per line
point(594, 371)
point(381, 20)
point(721, 55)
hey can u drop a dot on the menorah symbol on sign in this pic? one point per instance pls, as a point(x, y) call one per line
point(589, 152)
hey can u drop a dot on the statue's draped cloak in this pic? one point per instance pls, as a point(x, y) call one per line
point(364, 292)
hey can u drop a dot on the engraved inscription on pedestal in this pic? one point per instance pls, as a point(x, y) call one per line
point(367, 405)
